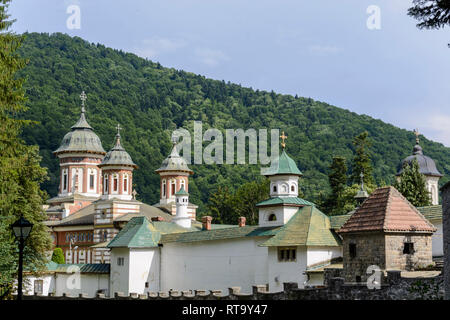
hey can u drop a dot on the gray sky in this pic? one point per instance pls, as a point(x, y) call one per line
point(321, 49)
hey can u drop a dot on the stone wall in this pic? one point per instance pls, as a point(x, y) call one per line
point(370, 250)
point(422, 256)
point(394, 288)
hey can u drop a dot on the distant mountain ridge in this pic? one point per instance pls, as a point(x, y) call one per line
point(150, 101)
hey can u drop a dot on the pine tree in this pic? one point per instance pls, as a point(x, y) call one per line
point(58, 256)
point(434, 14)
point(338, 182)
point(412, 185)
point(20, 170)
point(361, 162)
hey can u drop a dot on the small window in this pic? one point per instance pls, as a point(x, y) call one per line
point(125, 183)
point(91, 181)
point(274, 188)
point(115, 183)
point(120, 261)
point(164, 188)
point(38, 286)
point(352, 250)
point(293, 188)
point(146, 284)
point(287, 254)
point(172, 192)
point(408, 248)
point(272, 217)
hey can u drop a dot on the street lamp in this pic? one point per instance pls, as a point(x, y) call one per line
point(22, 229)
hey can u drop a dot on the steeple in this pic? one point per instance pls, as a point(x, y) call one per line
point(362, 193)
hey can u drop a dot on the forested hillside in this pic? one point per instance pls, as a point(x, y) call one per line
point(150, 101)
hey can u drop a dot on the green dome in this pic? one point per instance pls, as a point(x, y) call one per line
point(82, 138)
point(117, 156)
point(285, 165)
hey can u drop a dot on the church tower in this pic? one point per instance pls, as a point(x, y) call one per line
point(174, 175)
point(427, 167)
point(284, 201)
point(116, 199)
point(79, 154)
point(182, 218)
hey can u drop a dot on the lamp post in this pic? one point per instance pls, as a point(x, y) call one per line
point(22, 229)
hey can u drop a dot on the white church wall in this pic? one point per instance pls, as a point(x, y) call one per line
point(437, 240)
point(286, 271)
point(144, 264)
point(322, 254)
point(119, 273)
point(216, 264)
point(283, 214)
point(48, 284)
point(88, 284)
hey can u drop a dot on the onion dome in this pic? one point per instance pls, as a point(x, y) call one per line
point(117, 156)
point(81, 138)
point(427, 166)
point(285, 166)
point(174, 162)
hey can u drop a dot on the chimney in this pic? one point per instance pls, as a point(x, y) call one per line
point(206, 222)
point(157, 218)
point(241, 221)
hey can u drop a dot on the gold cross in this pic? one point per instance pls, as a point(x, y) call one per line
point(118, 128)
point(283, 137)
point(416, 132)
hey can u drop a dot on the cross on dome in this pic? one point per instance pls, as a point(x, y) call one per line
point(416, 133)
point(283, 138)
point(118, 129)
point(83, 98)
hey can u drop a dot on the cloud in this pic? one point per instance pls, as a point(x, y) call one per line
point(211, 57)
point(153, 47)
point(324, 50)
point(438, 128)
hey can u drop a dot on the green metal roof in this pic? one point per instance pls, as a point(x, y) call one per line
point(137, 233)
point(431, 212)
point(284, 200)
point(284, 165)
point(338, 221)
point(308, 227)
point(181, 192)
point(84, 268)
point(220, 234)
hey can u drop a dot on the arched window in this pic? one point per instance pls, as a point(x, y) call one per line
point(125, 183)
point(172, 187)
point(105, 183)
point(115, 183)
point(91, 179)
point(274, 188)
point(164, 188)
point(272, 217)
point(65, 177)
point(284, 188)
point(293, 188)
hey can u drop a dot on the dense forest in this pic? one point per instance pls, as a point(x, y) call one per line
point(150, 101)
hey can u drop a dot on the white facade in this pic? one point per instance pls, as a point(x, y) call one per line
point(276, 216)
point(432, 185)
point(437, 240)
point(284, 186)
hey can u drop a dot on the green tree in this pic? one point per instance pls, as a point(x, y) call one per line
point(58, 256)
point(433, 14)
point(226, 207)
point(20, 170)
point(361, 161)
point(411, 184)
point(337, 179)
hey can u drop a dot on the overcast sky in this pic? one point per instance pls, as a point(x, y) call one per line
point(321, 49)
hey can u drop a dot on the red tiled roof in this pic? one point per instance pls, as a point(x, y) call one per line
point(387, 210)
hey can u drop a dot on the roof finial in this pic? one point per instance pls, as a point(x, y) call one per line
point(283, 138)
point(362, 194)
point(417, 133)
point(118, 129)
point(83, 98)
point(134, 193)
point(362, 180)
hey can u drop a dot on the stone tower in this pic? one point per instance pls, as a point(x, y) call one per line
point(427, 167)
point(386, 231)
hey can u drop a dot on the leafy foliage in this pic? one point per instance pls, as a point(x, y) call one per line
point(361, 161)
point(150, 101)
point(58, 256)
point(338, 182)
point(226, 207)
point(412, 185)
point(20, 171)
point(433, 14)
